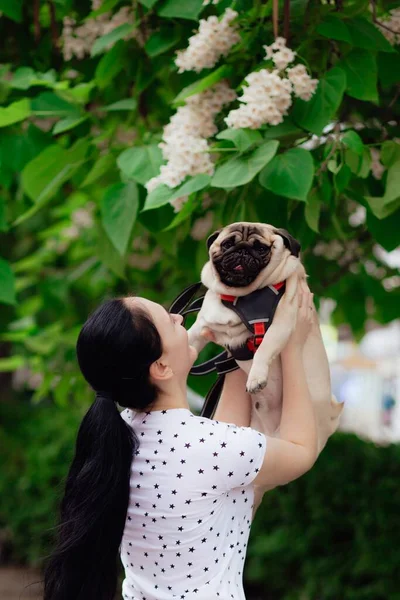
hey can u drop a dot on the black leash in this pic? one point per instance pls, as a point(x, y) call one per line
point(222, 363)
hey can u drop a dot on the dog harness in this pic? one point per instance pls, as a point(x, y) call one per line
point(256, 310)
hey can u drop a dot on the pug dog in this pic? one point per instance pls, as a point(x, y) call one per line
point(244, 257)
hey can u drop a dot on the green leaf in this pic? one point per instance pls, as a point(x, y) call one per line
point(119, 208)
point(342, 178)
point(126, 104)
point(187, 209)
point(359, 165)
point(289, 174)
point(390, 153)
point(163, 194)
point(110, 65)
point(148, 3)
point(385, 231)
point(17, 111)
point(315, 114)
point(242, 169)
point(79, 94)
point(12, 9)
point(352, 140)
point(43, 176)
point(3, 220)
point(108, 254)
point(26, 77)
point(102, 165)
point(389, 202)
point(286, 129)
point(141, 163)
point(11, 363)
point(68, 123)
point(163, 40)
point(203, 84)
point(7, 283)
point(109, 39)
point(365, 34)
point(361, 72)
point(389, 68)
point(189, 9)
point(242, 138)
point(334, 29)
point(49, 104)
point(313, 209)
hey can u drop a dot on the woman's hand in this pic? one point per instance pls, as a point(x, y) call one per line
point(305, 317)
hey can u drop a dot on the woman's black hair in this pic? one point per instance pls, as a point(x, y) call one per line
point(115, 349)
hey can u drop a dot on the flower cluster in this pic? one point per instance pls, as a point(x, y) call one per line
point(268, 95)
point(184, 144)
point(214, 39)
point(390, 28)
point(78, 41)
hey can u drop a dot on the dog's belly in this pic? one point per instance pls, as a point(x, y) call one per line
point(267, 404)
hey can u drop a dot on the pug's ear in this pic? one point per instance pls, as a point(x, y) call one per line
point(212, 238)
point(290, 242)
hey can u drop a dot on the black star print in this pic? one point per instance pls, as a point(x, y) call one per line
point(183, 460)
point(156, 486)
point(191, 549)
point(202, 440)
point(179, 475)
point(187, 445)
point(199, 521)
point(242, 453)
point(172, 505)
point(159, 432)
point(200, 471)
point(216, 467)
point(172, 450)
point(230, 473)
point(174, 492)
point(223, 445)
point(215, 453)
point(164, 462)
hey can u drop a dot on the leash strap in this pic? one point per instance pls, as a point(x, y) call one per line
point(184, 297)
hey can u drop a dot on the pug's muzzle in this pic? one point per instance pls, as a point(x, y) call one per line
point(239, 264)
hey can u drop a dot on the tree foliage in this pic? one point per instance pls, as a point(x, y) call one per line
point(79, 140)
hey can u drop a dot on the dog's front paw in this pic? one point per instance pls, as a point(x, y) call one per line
point(257, 380)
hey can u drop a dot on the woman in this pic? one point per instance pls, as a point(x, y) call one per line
point(168, 491)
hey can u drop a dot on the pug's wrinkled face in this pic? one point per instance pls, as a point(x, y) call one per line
point(241, 251)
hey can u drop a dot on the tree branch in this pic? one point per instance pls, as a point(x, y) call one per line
point(275, 15)
point(286, 21)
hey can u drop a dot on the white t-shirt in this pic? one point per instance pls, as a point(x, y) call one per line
point(190, 508)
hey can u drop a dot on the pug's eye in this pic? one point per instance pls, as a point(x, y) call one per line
point(261, 248)
point(228, 244)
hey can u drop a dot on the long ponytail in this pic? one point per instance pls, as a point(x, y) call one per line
point(115, 347)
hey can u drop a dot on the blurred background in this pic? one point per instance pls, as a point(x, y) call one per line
point(129, 132)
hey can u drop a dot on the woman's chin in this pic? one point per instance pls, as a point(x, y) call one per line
point(194, 353)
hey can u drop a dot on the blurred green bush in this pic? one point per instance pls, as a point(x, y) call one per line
point(333, 534)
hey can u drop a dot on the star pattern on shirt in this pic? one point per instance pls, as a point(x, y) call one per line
point(197, 463)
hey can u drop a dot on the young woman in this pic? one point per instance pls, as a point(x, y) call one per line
point(169, 492)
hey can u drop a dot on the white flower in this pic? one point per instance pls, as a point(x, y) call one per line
point(391, 27)
point(377, 167)
point(78, 41)
point(184, 144)
point(268, 95)
point(214, 39)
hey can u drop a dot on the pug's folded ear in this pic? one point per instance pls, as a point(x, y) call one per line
point(290, 242)
point(212, 238)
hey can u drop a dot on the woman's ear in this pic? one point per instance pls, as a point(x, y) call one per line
point(212, 238)
point(160, 371)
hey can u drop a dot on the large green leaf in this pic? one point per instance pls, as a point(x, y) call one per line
point(352, 140)
point(361, 73)
point(109, 39)
point(43, 176)
point(289, 174)
point(162, 40)
point(110, 65)
point(163, 194)
point(102, 165)
point(69, 123)
point(7, 283)
point(17, 111)
point(389, 68)
point(26, 77)
point(12, 9)
point(390, 201)
point(125, 104)
point(315, 114)
point(242, 169)
point(390, 153)
point(334, 28)
point(242, 138)
point(365, 34)
point(203, 84)
point(313, 209)
point(189, 9)
point(141, 163)
point(49, 104)
point(385, 231)
point(119, 208)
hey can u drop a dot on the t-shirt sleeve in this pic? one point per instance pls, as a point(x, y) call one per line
point(238, 454)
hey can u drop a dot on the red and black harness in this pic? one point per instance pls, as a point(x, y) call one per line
point(256, 311)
